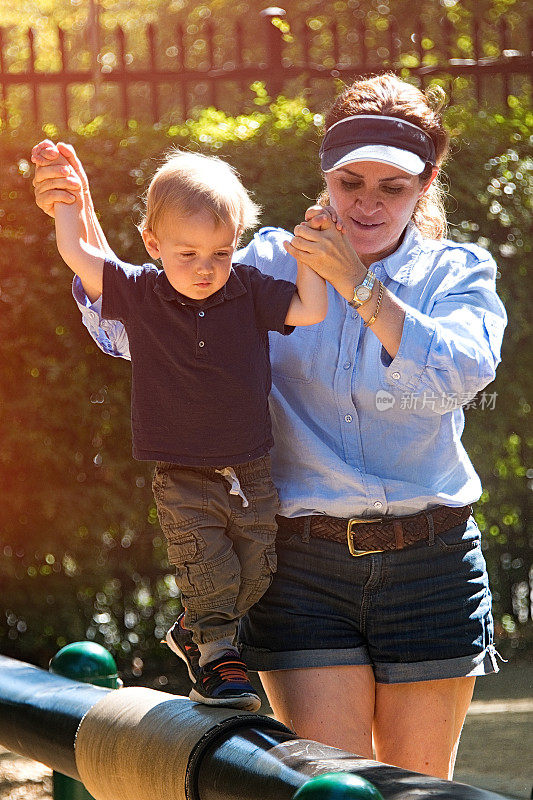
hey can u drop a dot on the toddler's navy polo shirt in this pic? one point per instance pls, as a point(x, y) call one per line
point(200, 370)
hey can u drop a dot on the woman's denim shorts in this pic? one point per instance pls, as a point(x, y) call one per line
point(417, 614)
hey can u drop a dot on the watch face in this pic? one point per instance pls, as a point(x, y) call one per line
point(363, 293)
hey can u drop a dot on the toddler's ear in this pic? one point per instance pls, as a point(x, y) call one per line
point(151, 243)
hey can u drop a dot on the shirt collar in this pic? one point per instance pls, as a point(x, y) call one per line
point(232, 288)
point(400, 266)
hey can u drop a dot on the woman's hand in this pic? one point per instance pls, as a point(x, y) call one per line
point(320, 243)
point(59, 177)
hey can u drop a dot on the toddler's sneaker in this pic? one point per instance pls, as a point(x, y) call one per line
point(224, 682)
point(180, 641)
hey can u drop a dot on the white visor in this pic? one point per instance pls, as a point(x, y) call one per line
point(403, 159)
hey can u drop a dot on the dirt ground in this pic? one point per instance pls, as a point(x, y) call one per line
point(496, 749)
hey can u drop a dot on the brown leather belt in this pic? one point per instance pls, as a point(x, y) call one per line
point(366, 535)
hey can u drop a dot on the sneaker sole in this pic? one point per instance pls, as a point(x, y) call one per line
point(245, 702)
point(175, 649)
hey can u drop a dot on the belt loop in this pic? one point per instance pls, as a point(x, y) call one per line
point(306, 533)
point(431, 528)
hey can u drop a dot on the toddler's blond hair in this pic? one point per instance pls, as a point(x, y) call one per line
point(188, 183)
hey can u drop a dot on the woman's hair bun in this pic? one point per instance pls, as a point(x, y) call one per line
point(435, 97)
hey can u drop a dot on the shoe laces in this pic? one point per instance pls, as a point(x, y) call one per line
point(227, 669)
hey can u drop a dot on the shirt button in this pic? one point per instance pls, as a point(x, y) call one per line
point(396, 376)
point(378, 504)
point(201, 314)
point(348, 418)
point(347, 365)
point(201, 344)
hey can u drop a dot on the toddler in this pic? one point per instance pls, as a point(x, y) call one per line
point(198, 332)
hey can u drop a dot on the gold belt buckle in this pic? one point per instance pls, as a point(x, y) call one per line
point(350, 534)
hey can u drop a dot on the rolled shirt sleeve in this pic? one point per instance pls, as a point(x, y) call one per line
point(454, 348)
point(109, 335)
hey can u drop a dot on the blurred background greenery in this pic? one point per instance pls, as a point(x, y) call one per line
point(81, 553)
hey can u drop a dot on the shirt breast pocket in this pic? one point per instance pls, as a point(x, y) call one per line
point(294, 357)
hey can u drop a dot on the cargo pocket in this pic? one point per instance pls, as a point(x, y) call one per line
point(183, 546)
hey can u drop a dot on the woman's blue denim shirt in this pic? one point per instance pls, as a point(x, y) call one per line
point(358, 433)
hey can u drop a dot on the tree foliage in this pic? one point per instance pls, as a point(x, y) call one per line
point(83, 556)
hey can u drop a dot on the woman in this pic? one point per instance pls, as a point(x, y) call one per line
point(379, 618)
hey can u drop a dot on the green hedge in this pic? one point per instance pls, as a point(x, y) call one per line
point(82, 552)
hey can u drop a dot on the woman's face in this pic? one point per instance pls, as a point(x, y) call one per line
point(375, 202)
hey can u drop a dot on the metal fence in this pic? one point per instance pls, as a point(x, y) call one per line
point(498, 60)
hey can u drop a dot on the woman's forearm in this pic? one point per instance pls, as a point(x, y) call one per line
point(329, 253)
point(390, 317)
point(95, 234)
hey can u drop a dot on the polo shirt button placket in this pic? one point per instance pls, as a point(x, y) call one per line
point(200, 330)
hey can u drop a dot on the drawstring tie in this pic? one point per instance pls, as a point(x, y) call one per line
point(229, 474)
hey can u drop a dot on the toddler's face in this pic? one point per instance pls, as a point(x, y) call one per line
point(196, 253)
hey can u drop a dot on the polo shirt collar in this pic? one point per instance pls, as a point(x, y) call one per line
point(232, 288)
point(401, 265)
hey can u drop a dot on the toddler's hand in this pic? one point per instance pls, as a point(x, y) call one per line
point(56, 180)
point(323, 217)
point(45, 152)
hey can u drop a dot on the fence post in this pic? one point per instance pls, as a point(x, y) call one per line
point(448, 31)
point(273, 43)
point(419, 35)
point(361, 41)
point(394, 43)
point(93, 30)
point(122, 77)
point(239, 57)
point(154, 86)
point(210, 36)
point(2, 70)
point(476, 33)
point(86, 662)
point(180, 39)
point(64, 66)
point(503, 30)
point(32, 76)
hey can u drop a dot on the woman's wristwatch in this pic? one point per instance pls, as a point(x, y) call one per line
point(363, 292)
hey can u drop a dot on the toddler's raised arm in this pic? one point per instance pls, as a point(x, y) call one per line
point(76, 242)
point(310, 304)
point(83, 258)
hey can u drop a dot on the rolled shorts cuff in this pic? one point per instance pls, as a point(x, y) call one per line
point(483, 663)
point(259, 660)
point(477, 664)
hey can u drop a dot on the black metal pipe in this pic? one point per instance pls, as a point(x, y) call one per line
point(250, 764)
point(40, 713)
point(245, 759)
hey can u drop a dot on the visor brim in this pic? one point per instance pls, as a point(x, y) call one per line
point(403, 159)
